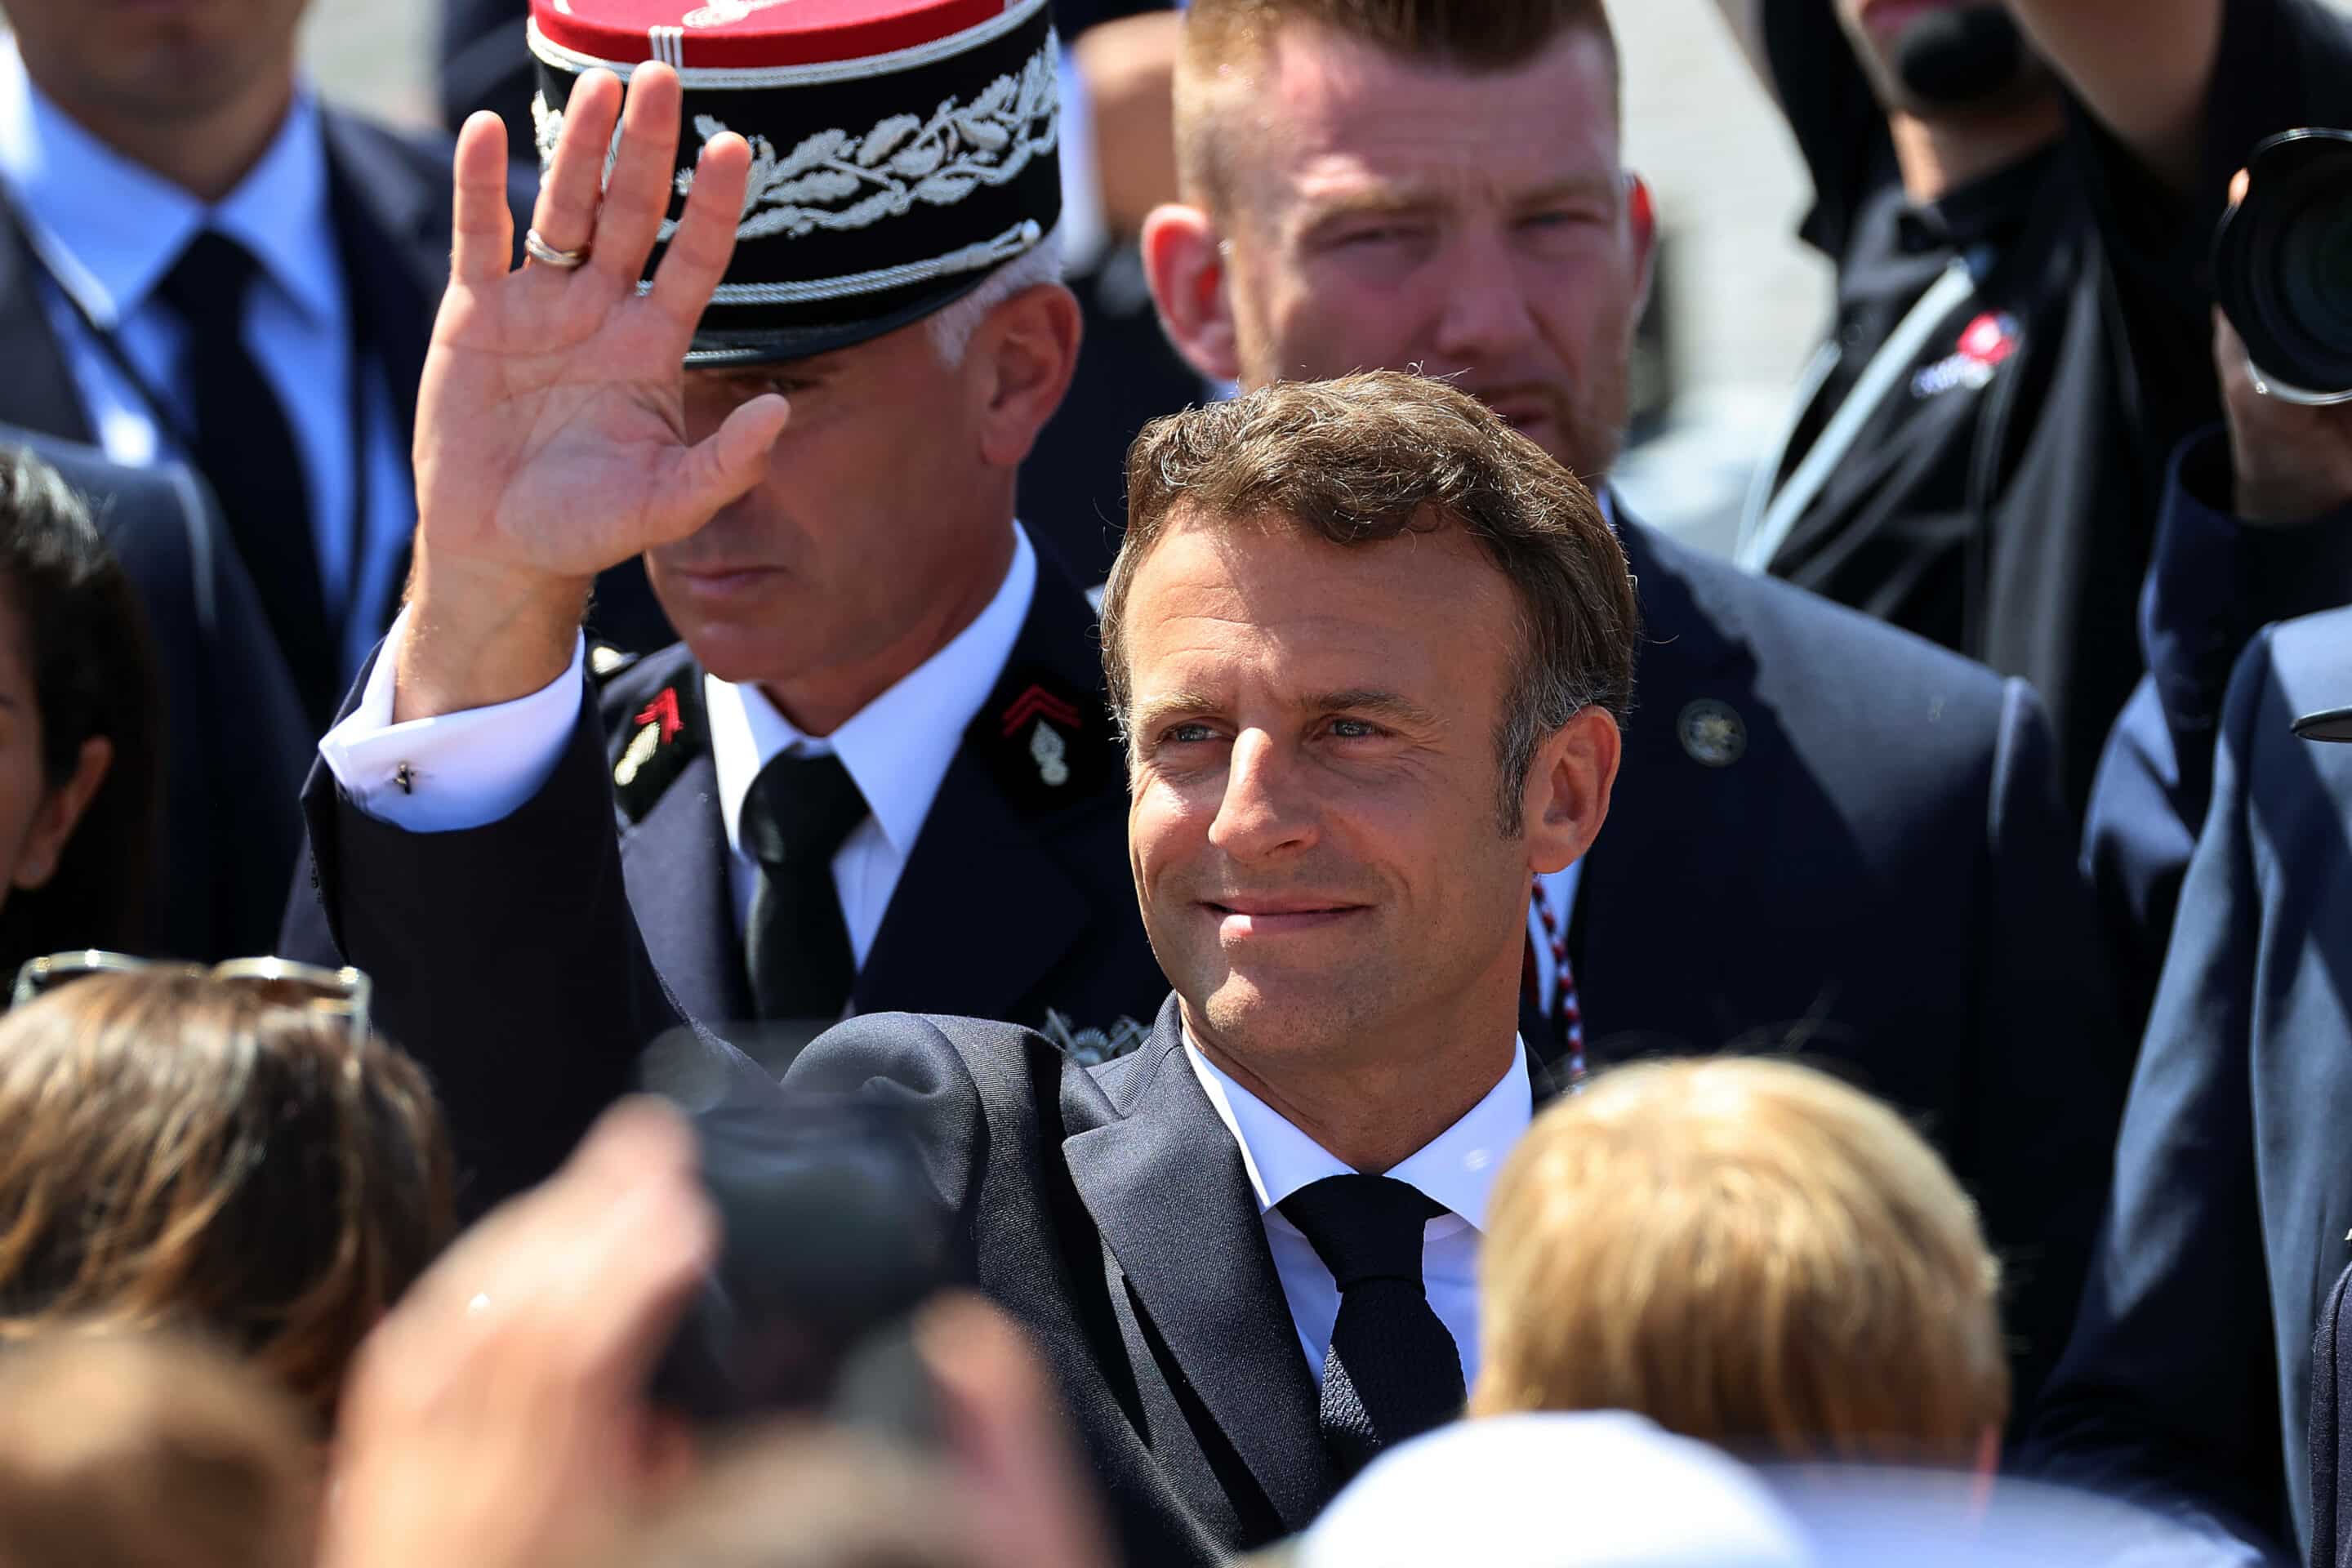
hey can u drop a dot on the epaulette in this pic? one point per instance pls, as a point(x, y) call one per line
point(669, 733)
point(1049, 742)
point(605, 661)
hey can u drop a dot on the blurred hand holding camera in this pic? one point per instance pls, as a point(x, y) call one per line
point(498, 1417)
point(2293, 462)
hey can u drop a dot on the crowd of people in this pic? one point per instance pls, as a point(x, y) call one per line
point(890, 783)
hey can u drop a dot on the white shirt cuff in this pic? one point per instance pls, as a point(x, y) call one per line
point(456, 771)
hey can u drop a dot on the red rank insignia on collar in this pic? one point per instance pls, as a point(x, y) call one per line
point(1039, 703)
point(663, 711)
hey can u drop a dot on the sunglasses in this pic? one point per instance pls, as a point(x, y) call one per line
point(338, 992)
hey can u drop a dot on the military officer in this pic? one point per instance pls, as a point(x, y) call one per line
point(876, 772)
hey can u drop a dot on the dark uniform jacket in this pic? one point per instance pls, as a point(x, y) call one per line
point(234, 741)
point(1015, 903)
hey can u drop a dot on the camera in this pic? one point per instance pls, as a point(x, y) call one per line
point(2282, 266)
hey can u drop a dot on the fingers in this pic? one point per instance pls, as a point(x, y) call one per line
point(705, 241)
point(728, 463)
point(481, 240)
point(637, 198)
point(565, 214)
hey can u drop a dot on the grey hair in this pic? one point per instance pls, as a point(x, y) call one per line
point(953, 324)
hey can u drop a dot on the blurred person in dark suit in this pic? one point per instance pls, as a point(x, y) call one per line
point(2219, 835)
point(140, 1451)
point(81, 730)
point(199, 261)
point(235, 742)
point(1752, 1253)
point(2018, 196)
point(1834, 838)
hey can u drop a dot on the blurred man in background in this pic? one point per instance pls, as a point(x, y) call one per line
point(2018, 196)
point(1834, 838)
point(200, 261)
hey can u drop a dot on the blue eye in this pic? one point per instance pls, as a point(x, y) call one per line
point(1184, 734)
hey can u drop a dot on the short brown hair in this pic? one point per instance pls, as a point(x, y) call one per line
point(1369, 458)
point(1224, 40)
point(129, 1452)
point(183, 1152)
point(1748, 1252)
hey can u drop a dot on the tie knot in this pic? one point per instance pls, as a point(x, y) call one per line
point(210, 280)
point(1363, 1227)
point(798, 810)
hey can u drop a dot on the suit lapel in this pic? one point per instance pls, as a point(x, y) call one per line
point(941, 948)
point(1165, 1188)
point(37, 390)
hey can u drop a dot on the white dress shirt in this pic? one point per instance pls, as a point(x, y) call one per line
point(108, 231)
point(472, 768)
point(1457, 1168)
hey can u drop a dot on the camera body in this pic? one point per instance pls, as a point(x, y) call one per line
point(2282, 266)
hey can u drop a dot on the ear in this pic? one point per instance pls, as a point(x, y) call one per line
point(1183, 259)
point(1025, 354)
point(53, 824)
point(1641, 227)
point(1567, 795)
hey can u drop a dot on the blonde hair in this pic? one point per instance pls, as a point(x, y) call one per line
point(1748, 1252)
point(132, 1453)
point(178, 1152)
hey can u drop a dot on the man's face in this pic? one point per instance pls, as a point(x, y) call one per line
point(877, 517)
point(1386, 213)
point(1313, 827)
point(154, 60)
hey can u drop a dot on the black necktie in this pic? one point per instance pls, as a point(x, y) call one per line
point(245, 449)
point(794, 817)
point(1392, 1371)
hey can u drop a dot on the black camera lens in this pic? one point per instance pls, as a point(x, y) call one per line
point(2282, 264)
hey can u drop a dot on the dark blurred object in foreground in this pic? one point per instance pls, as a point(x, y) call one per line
point(2283, 264)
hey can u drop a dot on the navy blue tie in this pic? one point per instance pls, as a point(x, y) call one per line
point(1392, 1371)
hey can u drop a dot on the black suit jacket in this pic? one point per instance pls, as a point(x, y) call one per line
point(1882, 878)
point(1015, 901)
point(235, 742)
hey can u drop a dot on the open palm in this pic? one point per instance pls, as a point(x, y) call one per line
point(551, 438)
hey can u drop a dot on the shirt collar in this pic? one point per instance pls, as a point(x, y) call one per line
point(109, 228)
point(898, 748)
point(1457, 1168)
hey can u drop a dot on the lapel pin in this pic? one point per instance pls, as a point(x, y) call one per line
point(1712, 733)
point(659, 723)
point(1047, 748)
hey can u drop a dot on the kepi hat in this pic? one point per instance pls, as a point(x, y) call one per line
point(901, 150)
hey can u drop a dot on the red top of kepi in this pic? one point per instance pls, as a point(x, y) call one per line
point(901, 150)
point(740, 35)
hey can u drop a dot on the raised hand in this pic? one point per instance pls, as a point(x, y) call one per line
point(551, 432)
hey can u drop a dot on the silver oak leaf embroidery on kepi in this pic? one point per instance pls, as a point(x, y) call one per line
point(835, 182)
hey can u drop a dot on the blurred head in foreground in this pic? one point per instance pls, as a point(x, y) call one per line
point(148, 1453)
point(1750, 1253)
point(1602, 1490)
point(183, 1152)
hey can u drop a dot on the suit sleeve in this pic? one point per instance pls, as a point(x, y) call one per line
point(2167, 1392)
point(2213, 583)
point(2046, 1082)
point(505, 958)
